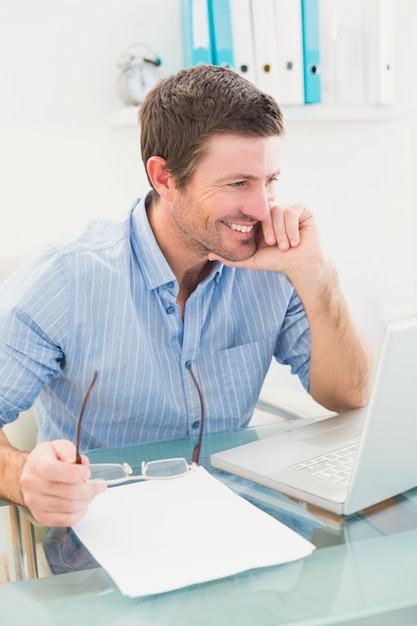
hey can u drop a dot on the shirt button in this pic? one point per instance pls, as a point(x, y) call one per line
point(195, 424)
point(170, 310)
point(170, 284)
point(188, 364)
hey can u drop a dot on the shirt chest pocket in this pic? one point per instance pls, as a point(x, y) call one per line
point(236, 378)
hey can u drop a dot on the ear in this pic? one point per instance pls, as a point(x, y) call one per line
point(159, 176)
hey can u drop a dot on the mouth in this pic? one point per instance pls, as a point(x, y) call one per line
point(240, 228)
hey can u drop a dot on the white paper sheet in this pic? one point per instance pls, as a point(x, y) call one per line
point(156, 536)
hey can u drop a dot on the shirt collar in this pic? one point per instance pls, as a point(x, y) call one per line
point(153, 264)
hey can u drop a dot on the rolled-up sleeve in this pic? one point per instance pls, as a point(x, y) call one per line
point(33, 329)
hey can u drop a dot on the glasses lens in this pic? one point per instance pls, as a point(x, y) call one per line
point(166, 468)
point(108, 472)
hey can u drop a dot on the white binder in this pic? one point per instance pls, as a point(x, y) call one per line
point(385, 65)
point(343, 50)
point(243, 44)
point(358, 51)
point(263, 17)
point(289, 52)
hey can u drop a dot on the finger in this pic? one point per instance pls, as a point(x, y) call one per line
point(288, 222)
point(61, 502)
point(268, 230)
point(292, 227)
point(53, 510)
point(52, 461)
point(55, 519)
point(279, 226)
point(64, 450)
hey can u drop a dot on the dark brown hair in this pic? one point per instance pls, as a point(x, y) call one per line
point(183, 111)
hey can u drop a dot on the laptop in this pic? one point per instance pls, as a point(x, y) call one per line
point(375, 447)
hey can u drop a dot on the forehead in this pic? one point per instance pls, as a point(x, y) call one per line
point(231, 152)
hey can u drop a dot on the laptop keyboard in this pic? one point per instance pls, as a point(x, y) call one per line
point(335, 466)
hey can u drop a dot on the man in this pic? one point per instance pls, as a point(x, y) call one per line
point(209, 270)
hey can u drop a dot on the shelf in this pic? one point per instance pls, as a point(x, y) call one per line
point(338, 113)
point(128, 116)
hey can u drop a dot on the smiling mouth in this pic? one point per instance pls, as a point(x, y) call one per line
point(241, 228)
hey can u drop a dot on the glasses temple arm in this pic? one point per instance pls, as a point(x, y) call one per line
point(197, 447)
point(80, 419)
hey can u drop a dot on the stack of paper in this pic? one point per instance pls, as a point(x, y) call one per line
point(159, 535)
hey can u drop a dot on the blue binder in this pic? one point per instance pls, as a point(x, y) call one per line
point(221, 32)
point(196, 32)
point(311, 50)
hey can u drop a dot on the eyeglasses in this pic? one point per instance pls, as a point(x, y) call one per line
point(116, 473)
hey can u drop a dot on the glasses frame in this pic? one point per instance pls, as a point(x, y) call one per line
point(125, 467)
point(127, 472)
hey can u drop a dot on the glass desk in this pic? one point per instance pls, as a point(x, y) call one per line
point(364, 570)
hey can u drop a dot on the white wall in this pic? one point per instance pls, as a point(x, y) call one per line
point(63, 163)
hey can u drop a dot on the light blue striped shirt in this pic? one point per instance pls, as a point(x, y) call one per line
point(106, 302)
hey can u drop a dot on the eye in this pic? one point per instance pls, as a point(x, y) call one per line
point(239, 183)
point(273, 179)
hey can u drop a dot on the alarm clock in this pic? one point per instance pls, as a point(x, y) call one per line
point(139, 72)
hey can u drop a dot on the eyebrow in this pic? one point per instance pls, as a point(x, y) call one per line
point(238, 176)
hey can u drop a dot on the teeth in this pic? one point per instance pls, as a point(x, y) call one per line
point(241, 229)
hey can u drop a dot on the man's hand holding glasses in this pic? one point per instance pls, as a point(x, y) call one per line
point(57, 483)
point(54, 488)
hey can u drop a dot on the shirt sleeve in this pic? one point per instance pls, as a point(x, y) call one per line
point(294, 342)
point(33, 331)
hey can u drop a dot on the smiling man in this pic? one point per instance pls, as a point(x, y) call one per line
point(209, 270)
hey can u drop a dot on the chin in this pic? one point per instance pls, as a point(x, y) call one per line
point(242, 255)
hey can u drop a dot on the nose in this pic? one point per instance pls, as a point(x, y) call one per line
point(257, 205)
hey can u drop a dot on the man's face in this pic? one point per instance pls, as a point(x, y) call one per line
point(222, 208)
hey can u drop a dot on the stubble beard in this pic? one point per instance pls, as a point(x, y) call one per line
point(204, 241)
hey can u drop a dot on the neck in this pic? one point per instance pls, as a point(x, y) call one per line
point(189, 267)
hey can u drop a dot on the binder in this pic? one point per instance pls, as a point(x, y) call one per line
point(196, 32)
point(220, 21)
point(379, 19)
point(342, 51)
point(264, 36)
point(386, 68)
point(289, 52)
point(311, 50)
point(242, 34)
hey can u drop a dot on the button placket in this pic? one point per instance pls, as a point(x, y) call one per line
point(196, 310)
